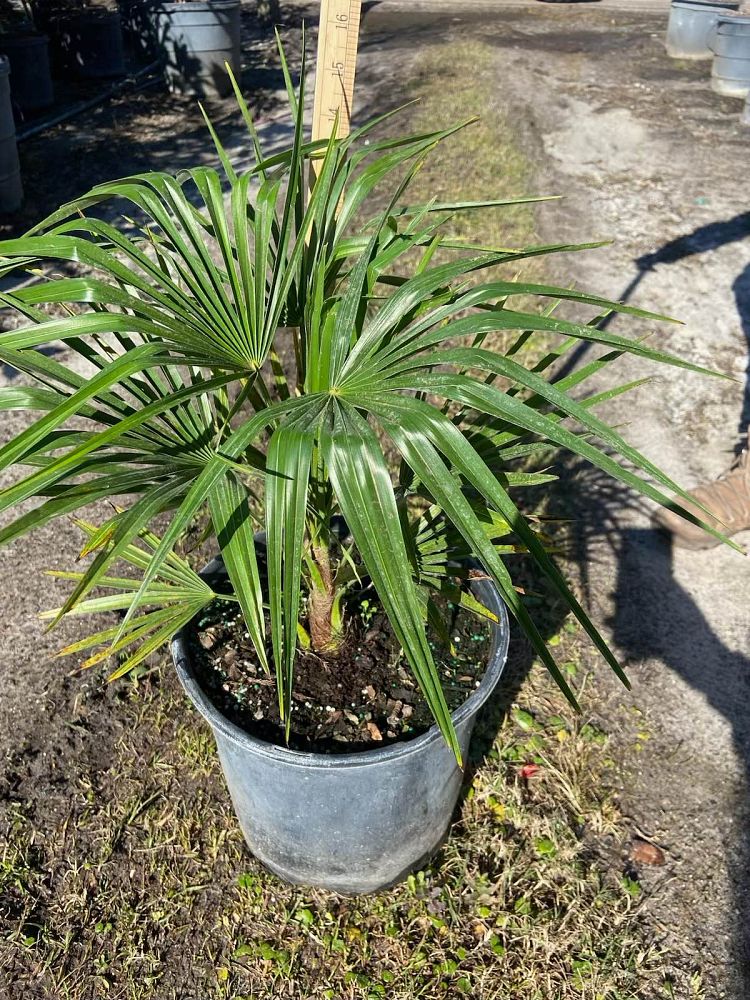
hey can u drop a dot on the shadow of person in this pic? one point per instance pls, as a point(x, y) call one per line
point(656, 620)
point(741, 290)
point(704, 239)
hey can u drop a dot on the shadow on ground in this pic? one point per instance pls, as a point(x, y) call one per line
point(702, 240)
point(656, 621)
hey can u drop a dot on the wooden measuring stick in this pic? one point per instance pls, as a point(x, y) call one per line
point(338, 36)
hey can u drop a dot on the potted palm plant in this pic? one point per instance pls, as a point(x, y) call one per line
point(352, 401)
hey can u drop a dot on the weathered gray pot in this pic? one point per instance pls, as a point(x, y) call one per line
point(11, 191)
point(352, 822)
point(730, 42)
point(197, 38)
point(691, 23)
point(31, 78)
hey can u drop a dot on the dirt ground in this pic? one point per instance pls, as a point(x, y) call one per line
point(646, 155)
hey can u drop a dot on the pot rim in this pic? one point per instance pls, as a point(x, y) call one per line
point(196, 5)
point(378, 755)
point(707, 4)
point(23, 37)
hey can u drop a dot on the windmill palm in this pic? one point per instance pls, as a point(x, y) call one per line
point(258, 350)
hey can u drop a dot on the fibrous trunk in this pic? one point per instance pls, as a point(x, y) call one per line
point(320, 606)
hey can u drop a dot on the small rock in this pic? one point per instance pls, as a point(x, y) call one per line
point(393, 708)
point(644, 853)
point(407, 711)
point(479, 930)
point(207, 639)
point(374, 731)
point(369, 692)
point(230, 656)
point(352, 718)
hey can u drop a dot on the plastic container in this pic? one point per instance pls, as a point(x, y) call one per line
point(691, 23)
point(353, 822)
point(139, 31)
point(91, 43)
point(730, 42)
point(197, 38)
point(11, 190)
point(31, 79)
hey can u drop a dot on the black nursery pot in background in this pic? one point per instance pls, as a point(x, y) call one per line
point(11, 191)
point(91, 44)
point(139, 29)
point(30, 75)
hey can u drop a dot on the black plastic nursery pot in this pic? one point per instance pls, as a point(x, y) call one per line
point(197, 39)
point(11, 190)
point(139, 28)
point(91, 44)
point(31, 78)
point(354, 822)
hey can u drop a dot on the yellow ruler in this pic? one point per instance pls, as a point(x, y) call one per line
point(337, 61)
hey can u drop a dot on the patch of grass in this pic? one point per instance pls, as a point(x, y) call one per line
point(485, 160)
point(146, 889)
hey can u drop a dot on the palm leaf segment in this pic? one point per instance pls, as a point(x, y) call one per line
point(179, 316)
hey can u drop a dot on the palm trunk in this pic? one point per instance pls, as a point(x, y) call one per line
point(320, 606)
